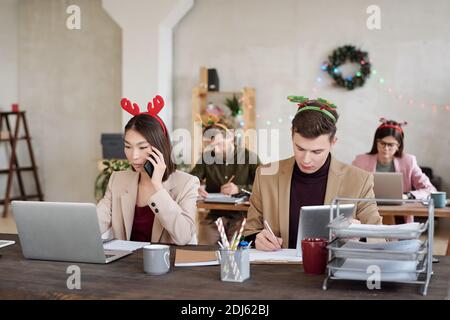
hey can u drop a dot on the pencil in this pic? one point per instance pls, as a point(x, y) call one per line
point(266, 224)
point(231, 179)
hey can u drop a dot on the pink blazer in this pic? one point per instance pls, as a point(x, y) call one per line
point(414, 180)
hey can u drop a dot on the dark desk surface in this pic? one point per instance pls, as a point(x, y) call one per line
point(125, 279)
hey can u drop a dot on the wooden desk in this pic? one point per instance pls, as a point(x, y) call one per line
point(223, 206)
point(401, 210)
point(125, 279)
point(414, 209)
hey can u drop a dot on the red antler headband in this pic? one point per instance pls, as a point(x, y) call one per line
point(152, 109)
point(397, 126)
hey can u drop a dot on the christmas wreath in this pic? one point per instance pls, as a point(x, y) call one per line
point(342, 55)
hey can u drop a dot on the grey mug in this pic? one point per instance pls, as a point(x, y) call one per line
point(156, 259)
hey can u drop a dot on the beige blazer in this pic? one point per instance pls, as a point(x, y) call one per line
point(174, 207)
point(270, 196)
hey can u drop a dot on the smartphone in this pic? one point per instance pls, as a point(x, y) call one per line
point(148, 166)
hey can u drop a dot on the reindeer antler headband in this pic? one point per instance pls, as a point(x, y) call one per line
point(395, 125)
point(211, 120)
point(152, 109)
point(319, 104)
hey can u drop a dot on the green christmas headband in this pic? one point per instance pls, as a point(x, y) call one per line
point(303, 104)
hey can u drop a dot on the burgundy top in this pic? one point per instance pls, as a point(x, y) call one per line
point(142, 224)
point(306, 190)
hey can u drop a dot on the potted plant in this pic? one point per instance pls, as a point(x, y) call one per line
point(101, 182)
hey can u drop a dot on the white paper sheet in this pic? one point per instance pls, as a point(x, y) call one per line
point(5, 243)
point(402, 246)
point(390, 270)
point(122, 245)
point(281, 256)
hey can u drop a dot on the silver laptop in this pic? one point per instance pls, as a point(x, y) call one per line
point(61, 231)
point(388, 185)
point(315, 219)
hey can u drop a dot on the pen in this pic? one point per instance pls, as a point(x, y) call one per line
point(231, 179)
point(266, 225)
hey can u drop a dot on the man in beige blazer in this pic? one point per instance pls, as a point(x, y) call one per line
point(313, 137)
point(174, 207)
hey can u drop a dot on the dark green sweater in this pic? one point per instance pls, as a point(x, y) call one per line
point(217, 174)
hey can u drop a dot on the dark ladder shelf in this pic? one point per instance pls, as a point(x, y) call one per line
point(13, 162)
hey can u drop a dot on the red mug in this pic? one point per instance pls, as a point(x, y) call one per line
point(315, 255)
point(15, 107)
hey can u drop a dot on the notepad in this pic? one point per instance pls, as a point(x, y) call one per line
point(192, 258)
point(275, 257)
point(122, 245)
point(223, 198)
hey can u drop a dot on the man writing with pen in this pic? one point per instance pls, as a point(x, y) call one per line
point(311, 177)
point(227, 168)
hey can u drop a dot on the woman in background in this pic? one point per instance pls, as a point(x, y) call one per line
point(387, 155)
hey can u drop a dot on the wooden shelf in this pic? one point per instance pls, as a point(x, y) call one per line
point(3, 171)
point(201, 97)
point(9, 139)
point(11, 135)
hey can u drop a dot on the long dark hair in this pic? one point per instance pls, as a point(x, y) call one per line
point(312, 123)
point(394, 130)
point(152, 131)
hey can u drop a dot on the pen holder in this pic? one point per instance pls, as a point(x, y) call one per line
point(234, 265)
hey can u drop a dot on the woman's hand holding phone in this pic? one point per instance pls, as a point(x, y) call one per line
point(156, 158)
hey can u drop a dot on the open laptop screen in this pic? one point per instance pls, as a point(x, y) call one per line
point(315, 219)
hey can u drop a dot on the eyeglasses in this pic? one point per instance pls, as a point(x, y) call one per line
point(386, 144)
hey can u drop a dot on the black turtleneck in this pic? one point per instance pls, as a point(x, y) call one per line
point(306, 190)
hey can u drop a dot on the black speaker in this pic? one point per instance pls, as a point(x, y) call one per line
point(213, 80)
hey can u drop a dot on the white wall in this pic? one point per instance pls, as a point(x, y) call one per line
point(139, 20)
point(278, 48)
point(70, 86)
point(8, 53)
point(8, 75)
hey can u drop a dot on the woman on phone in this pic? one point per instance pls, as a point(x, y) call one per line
point(140, 207)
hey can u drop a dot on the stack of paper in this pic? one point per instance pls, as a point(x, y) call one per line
point(277, 257)
point(389, 270)
point(405, 246)
point(399, 231)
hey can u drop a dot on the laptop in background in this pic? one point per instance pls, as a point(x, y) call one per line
point(61, 231)
point(388, 185)
point(315, 219)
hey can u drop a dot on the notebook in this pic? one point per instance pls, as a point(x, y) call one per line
point(282, 256)
point(192, 258)
point(223, 198)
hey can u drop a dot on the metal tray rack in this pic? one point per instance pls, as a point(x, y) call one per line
point(349, 260)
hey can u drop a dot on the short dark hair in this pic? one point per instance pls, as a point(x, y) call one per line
point(314, 123)
point(381, 133)
point(151, 130)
